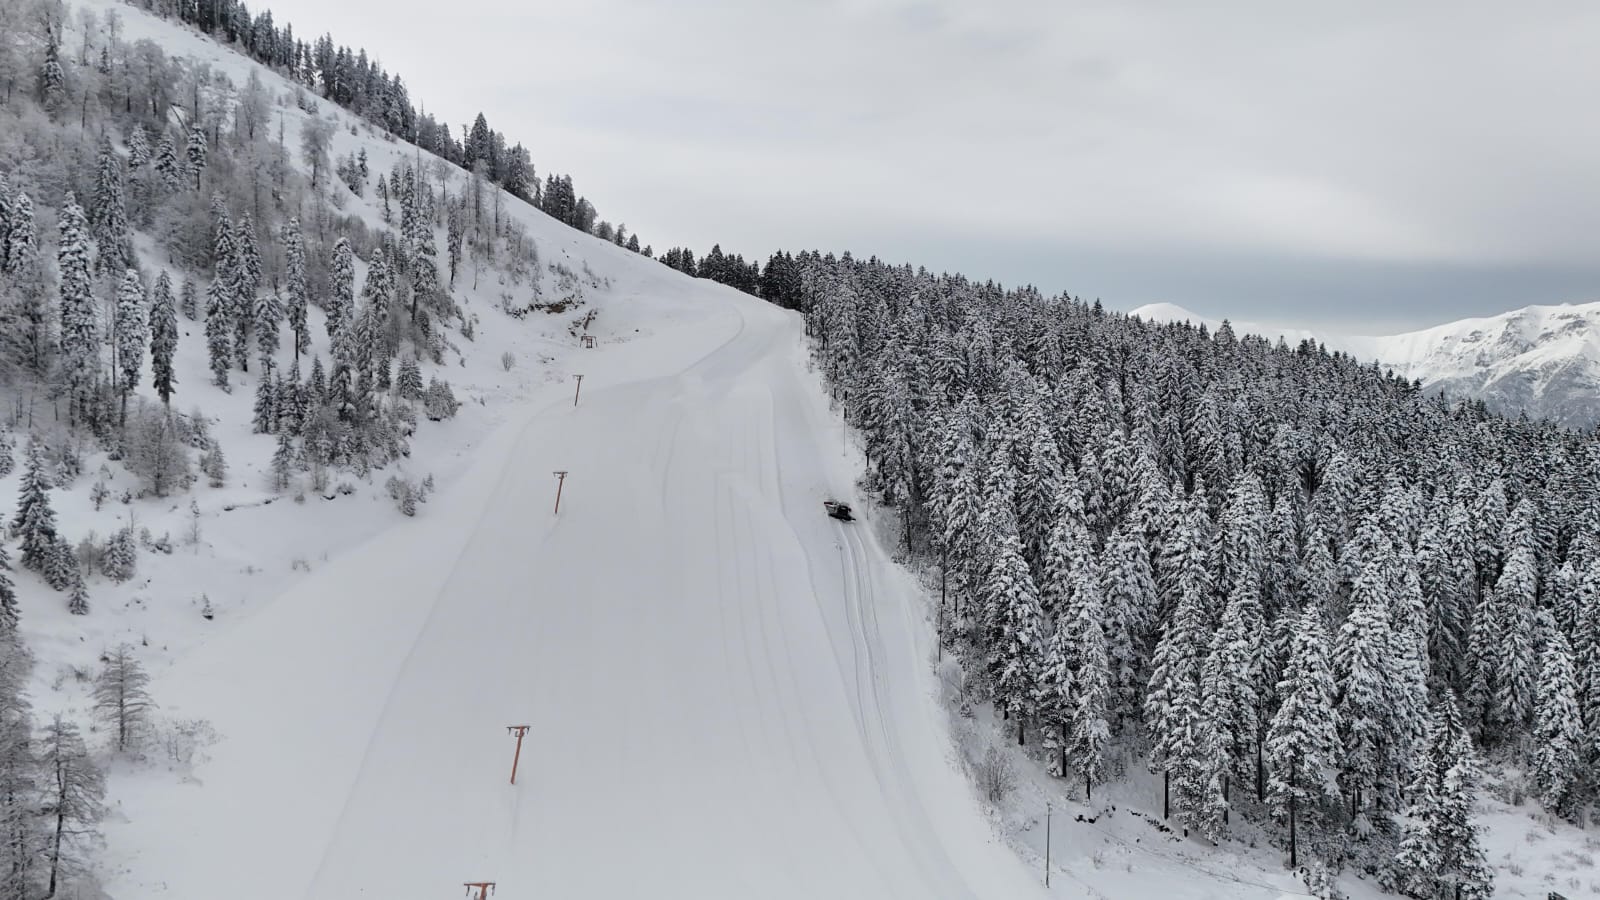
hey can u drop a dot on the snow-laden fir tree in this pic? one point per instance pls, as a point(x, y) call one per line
point(283, 462)
point(121, 560)
point(195, 154)
point(1558, 733)
point(22, 236)
point(35, 521)
point(1129, 593)
point(1439, 853)
point(109, 215)
point(52, 77)
point(219, 331)
point(342, 289)
point(168, 168)
point(78, 596)
point(1363, 676)
point(129, 333)
point(1012, 605)
point(1091, 730)
point(138, 147)
point(80, 331)
point(189, 300)
point(245, 283)
point(1302, 740)
point(163, 338)
point(408, 385)
point(265, 419)
point(295, 292)
point(9, 613)
point(1230, 681)
point(268, 313)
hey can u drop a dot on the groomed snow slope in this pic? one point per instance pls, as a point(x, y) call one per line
point(729, 692)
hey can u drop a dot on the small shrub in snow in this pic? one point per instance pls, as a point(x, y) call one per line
point(185, 739)
point(192, 536)
point(996, 777)
point(121, 560)
point(508, 360)
point(7, 456)
point(206, 612)
point(99, 493)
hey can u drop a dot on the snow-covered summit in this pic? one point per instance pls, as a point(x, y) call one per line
point(1542, 360)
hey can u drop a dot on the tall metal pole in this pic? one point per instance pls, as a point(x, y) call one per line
point(1047, 845)
point(561, 480)
point(578, 390)
point(519, 731)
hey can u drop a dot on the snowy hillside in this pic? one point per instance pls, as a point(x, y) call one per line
point(1542, 360)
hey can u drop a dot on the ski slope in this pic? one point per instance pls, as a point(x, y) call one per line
point(728, 691)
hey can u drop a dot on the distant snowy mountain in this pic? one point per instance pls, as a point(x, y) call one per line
point(1542, 360)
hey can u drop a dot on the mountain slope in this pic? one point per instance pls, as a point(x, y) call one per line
point(1542, 360)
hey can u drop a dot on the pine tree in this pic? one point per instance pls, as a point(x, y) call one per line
point(409, 383)
point(1013, 606)
point(72, 803)
point(1558, 756)
point(109, 215)
point(138, 147)
point(80, 333)
point(189, 300)
point(195, 154)
point(10, 615)
point(244, 282)
point(163, 338)
point(36, 520)
point(1363, 675)
point(167, 166)
point(78, 601)
point(294, 284)
point(342, 302)
point(52, 77)
point(219, 331)
point(22, 837)
point(283, 462)
point(266, 411)
point(1303, 738)
point(22, 236)
point(129, 333)
point(268, 313)
point(122, 697)
point(1091, 730)
point(121, 561)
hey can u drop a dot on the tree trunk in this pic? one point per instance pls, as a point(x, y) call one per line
point(1166, 793)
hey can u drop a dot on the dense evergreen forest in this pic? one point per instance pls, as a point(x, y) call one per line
point(1301, 589)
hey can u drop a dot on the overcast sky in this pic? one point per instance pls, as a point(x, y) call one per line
point(1367, 166)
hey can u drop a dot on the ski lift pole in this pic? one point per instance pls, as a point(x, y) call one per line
point(1047, 845)
point(519, 731)
point(561, 480)
point(577, 390)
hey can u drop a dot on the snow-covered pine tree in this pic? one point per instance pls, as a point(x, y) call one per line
point(72, 801)
point(409, 382)
point(52, 77)
point(36, 519)
point(268, 313)
point(283, 462)
point(109, 215)
point(1302, 741)
point(189, 300)
point(296, 294)
point(1091, 730)
point(219, 331)
point(1362, 674)
point(121, 560)
point(195, 154)
point(129, 333)
point(265, 420)
point(342, 297)
point(10, 615)
point(1558, 733)
point(22, 236)
point(163, 338)
point(80, 332)
point(1017, 643)
point(1129, 593)
point(167, 166)
point(138, 147)
point(245, 281)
